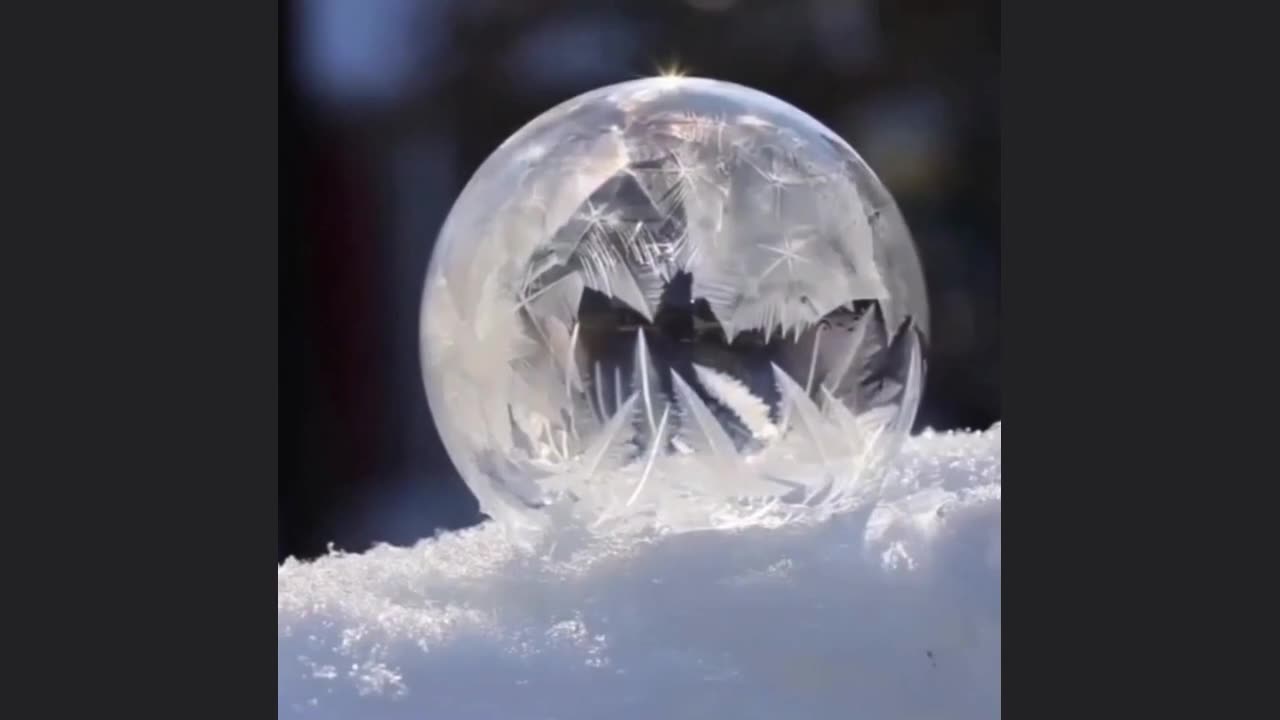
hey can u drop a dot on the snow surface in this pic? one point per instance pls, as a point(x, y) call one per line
point(892, 611)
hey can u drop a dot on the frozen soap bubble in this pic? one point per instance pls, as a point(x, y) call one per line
point(673, 302)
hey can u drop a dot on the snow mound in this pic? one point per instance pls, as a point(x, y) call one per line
point(891, 611)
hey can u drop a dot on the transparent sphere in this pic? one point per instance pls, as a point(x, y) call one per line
point(673, 302)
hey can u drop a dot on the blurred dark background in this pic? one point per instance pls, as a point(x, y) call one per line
point(388, 106)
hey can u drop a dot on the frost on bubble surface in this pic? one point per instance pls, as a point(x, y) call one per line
point(673, 301)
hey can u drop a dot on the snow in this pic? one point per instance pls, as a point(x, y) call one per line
point(891, 611)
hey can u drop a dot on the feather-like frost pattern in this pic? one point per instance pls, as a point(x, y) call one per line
point(646, 379)
point(611, 436)
point(655, 446)
point(734, 395)
point(710, 437)
point(810, 422)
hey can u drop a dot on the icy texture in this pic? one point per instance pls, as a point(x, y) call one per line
point(673, 302)
point(889, 612)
